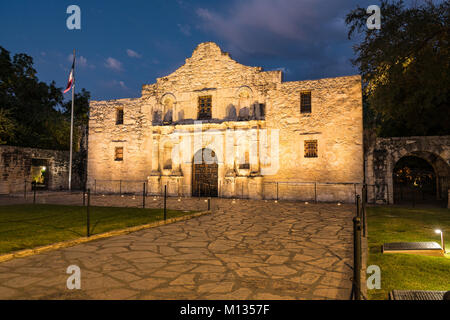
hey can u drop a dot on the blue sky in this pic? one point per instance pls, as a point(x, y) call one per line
point(124, 44)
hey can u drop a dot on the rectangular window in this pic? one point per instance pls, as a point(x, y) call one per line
point(119, 116)
point(305, 102)
point(311, 149)
point(118, 156)
point(204, 107)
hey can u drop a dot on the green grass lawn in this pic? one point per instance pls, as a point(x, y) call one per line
point(405, 271)
point(28, 226)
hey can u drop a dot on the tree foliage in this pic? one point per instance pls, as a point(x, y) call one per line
point(33, 113)
point(405, 68)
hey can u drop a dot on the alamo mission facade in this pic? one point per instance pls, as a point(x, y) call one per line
point(216, 127)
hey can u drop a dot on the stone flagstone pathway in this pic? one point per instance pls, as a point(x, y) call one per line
point(244, 250)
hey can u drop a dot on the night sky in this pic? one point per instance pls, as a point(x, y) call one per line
point(124, 44)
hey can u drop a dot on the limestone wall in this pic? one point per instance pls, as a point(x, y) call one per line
point(383, 153)
point(335, 122)
point(15, 168)
point(245, 99)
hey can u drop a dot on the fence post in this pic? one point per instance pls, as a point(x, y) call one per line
point(315, 192)
point(209, 204)
point(277, 191)
point(84, 197)
point(88, 213)
point(387, 190)
point(165, 205)
point(356, 286)
point(95, 186)
point(358, 202)
point(143, 196)
point(34, 191)
point(364, 202)
point(120, 187)
point(25, 189)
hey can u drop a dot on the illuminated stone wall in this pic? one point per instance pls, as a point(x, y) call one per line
point(249, 106)
point(16, 163)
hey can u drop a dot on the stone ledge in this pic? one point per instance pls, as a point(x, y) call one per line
point(71, 243)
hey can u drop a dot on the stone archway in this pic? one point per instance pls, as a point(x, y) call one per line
point(205, 174)
point(440, 167)
point(383, 155)
point(414, 179)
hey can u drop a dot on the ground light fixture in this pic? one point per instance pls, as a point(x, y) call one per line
point(438, 231)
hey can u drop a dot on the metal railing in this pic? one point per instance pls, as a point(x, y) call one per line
point(283, 190)
point(359, 232)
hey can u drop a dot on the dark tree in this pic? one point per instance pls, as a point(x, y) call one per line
point(405, 68)
point(33, 113)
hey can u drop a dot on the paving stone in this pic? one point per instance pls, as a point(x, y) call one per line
point(8, 293)
point(279, 270)
point(124, 276)
point(277, 260)
point(115, 294)
point(240, 294)
point(242, 251)
point(307, 278)
point(185, 279)
point(147, 284)
point(270, 296)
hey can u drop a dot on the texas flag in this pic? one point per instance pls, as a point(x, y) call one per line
point(71, 77)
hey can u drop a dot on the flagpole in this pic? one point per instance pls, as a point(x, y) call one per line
point(71, 127)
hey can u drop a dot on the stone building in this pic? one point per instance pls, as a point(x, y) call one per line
point(216, 127)
point(19, 167)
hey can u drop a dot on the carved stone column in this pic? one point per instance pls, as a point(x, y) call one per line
point(154, 180)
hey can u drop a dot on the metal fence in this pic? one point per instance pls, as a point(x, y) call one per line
point(282, 190)
point(359, 234)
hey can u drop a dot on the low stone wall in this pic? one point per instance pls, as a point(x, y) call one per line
point(16, 165)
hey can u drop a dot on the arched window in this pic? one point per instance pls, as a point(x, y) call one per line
point(168, 111)
point(244, 103)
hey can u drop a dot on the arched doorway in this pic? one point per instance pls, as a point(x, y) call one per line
point(205, 176)
point(414, 180)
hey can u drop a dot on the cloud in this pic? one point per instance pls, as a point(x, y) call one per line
point(284, 69)
point(114, 84)
point(309, 31)
point(185, 29)
point(113, 64)
point(80, 61)
point(122, 84)
point(133, 54)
